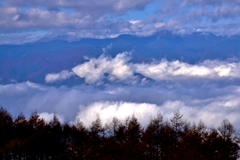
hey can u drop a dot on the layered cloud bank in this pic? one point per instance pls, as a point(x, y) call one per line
point(30, 20)
point(117, 87)
point(208, 103)
point(212, 114)
point(119, 69)
point(165, 70)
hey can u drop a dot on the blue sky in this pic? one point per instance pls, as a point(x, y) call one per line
point(28, 20)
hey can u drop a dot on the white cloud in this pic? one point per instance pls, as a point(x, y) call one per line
point(95, 69)
point(209, 103)
point(210, 69)
point(93, 5)
point(105, 49)
point(18, 38)
point(49, 116)
point(34, 85)
point(53, 77)
point(65, 15)
point(111, 18)
point(121, 110)
point(211, 114)
point(119, 69)
point(209, 2)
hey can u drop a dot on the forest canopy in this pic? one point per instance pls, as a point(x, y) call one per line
point(34, 138)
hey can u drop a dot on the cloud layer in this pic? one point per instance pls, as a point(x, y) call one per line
point(95, 69)
point(53, 77)
point(120, 69)
point(209, 69)
point(207, 102)
point(37, 19)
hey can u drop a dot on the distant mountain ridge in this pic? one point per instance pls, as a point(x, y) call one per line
point(32, 61)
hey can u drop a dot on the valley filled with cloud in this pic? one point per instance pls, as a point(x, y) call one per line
point(119, 69)
point(115, 87)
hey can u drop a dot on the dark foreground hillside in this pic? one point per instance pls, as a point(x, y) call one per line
point(33, 138)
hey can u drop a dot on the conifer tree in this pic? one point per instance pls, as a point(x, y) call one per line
point(133, 136)
point(55, 137)
point(6, 132)
point(152, 136)
point(229, 148)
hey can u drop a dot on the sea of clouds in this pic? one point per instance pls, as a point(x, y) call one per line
point(116, 87)
point(210, 104)
point(120, 69)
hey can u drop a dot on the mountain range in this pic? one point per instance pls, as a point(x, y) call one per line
point(33, 61)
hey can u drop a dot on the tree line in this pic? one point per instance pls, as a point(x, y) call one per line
point(175, 139)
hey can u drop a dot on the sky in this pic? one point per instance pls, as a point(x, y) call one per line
point(114, 86)
point(24, 21)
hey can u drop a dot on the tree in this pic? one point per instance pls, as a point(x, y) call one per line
point(229, 148)
point(111, 143)
point(35, 122)
point(190, 145)
point(19, 142)
point(96, 130)
point(79, 146)
point(67, 140)
point(113, 126)
point(226, 129)
point(20, 126)
point(55, 142)
point(36, 140)
point(6, 123)
point(177, 124)
point(133, 136)
point(96, 133)
point(152, 137)
point(177, 121)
